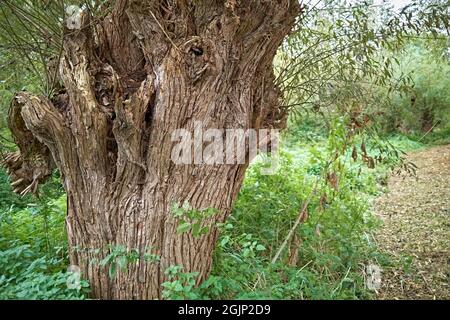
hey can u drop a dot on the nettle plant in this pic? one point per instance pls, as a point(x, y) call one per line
point(119, 258)
point(192, 220)
point(180, 285)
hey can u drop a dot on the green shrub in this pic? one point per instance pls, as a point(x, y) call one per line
point(335, 241)
point(33, 251)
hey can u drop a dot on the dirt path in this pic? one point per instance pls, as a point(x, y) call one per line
point(416, 230)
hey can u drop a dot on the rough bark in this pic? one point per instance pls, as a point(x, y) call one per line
point(129, 81)
point(32, 164)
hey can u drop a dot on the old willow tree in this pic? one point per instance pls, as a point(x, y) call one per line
point(125, 80)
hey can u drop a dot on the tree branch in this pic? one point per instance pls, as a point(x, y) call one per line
point(32, 164)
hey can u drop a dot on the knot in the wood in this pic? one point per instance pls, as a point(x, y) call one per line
point(198, 58)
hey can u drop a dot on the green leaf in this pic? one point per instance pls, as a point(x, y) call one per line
point(196, 229)
point(260, 247)
point(204, 230)
point(122, 262)
point(112, 271)
point(178, 287)
point(184, 227)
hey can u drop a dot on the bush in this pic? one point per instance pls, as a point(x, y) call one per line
point(333, 248)
point(33, 248)
point(27, 274)
point(426, 105)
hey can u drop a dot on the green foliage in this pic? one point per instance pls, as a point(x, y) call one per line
point(310, 129)
point(337, 53)
point(425, 106)
point(31, 35)
point(33, 251)
point(180, 285)
point(40, 224)
point(119, 257)
point(7, 198)
point(192, 220)
point(333, 242)
point(439, 136)
point(26, 274)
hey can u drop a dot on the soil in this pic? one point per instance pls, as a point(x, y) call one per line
point(416, 229)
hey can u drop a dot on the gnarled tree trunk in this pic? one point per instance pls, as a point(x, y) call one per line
point(127, 82)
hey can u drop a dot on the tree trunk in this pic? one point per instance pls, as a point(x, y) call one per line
point(128, 82)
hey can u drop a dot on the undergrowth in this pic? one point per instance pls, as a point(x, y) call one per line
point(325, 259)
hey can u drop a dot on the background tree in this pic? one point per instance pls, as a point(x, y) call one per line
point(425, 105)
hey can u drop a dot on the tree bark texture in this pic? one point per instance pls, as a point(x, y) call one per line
point(127, 82)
